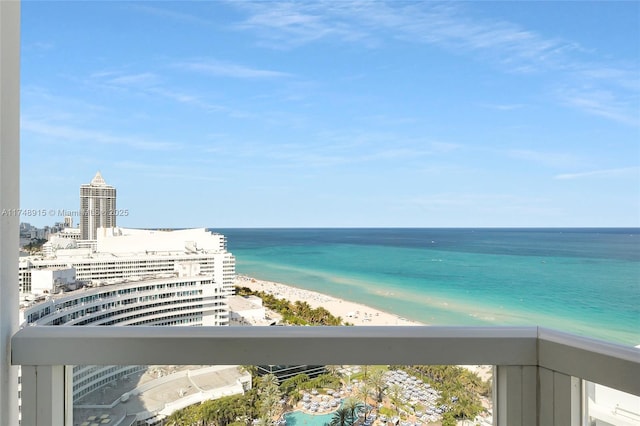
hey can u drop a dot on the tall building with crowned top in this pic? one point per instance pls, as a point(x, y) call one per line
point(97, 207)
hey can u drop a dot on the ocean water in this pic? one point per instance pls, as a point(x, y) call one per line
point(584, 281)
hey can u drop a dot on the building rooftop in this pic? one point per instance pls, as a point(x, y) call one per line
point(98, 180)
point(159, 390)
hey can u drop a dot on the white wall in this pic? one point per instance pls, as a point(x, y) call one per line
point(125, 240)
point(44, 280)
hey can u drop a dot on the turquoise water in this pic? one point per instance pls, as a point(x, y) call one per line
point(582, 281)
point(298, 418)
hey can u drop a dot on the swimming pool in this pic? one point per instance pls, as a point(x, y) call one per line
point(298, 418)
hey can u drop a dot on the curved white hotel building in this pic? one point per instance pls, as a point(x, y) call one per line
point(129, 277)
point(178, 300)
point(170, 301)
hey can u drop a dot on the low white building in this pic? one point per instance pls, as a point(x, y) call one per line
point(70, 233)
point(57, 242)
point(52, 280)
point(249, 310)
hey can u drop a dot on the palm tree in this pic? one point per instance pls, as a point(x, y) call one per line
point(351, 404)
point(268, 380)
point(394, 395)
point(185, 417)
point(342, 417)
point(302, 309)
point(334, 370)
point(377, 382)
point(269, 396)
point(263, 421)
point(363, 393)
point(364, 368)
point(448, 419)
point(291, 386)
point(268, 406)
point(252, 370)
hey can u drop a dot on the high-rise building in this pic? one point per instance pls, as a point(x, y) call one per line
point(97, 207)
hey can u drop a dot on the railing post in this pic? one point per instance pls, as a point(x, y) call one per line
point(516, 390)
point(559, 399)
point(9, 202)
point(45, 396)
point(531, 396)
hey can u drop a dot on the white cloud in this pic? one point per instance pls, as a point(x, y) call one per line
point(173, 172)
point(606, 173)
point(152, 84)
point(88, 136)
point(446, 25)
point(226, 69)
point(38, 46)
point(141, 79)
point(444, 147)
point(549, 159)
point(166, 13)
point(506, 45)
point(624, 76)
point(603, 103)
point(285, 25)
point(503, 107)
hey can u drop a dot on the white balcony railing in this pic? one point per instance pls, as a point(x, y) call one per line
point(537, 381)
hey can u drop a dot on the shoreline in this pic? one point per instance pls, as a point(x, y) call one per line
point(352, 312)
point(364, 315)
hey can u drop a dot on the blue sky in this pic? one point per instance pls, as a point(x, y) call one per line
point(287, 114)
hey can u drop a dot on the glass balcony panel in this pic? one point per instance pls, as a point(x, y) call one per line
point(605, 406)
point(282, 394)
point(146, 394)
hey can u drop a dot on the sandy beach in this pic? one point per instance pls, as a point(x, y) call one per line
point(354, 313)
